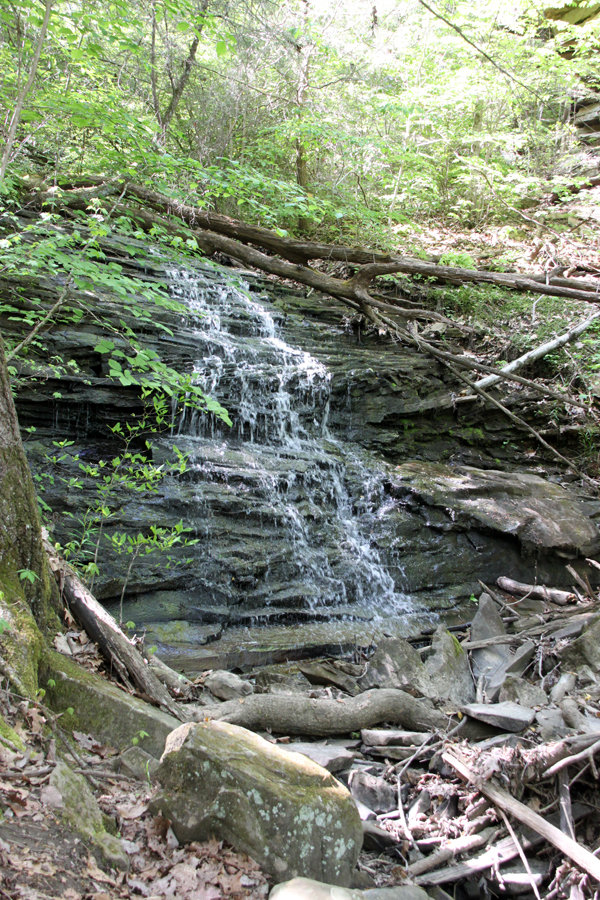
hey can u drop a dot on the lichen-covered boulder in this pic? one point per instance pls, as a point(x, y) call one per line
point(69, 796)
point(280, 808)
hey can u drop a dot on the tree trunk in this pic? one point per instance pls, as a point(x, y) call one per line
point(21, 547)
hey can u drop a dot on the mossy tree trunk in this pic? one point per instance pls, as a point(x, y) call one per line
point(21, 550)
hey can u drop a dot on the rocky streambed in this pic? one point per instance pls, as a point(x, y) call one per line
point(351, 498)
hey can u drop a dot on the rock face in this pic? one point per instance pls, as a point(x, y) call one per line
point(306, 509)
point(283, 810)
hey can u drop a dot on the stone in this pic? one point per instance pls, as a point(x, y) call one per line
point(585, 650)
point(101, 709)
point(506, 716)
point(519, 690)
point(374, 792)
point(514, 664)
point(139, 764)
point(227, 685)
point(334, 759)
point(69, 795)
point(401, 892)
point(575, 719)
point(565, 684)
point(364, 812)
point(280, 808)
point(516, 880)
point(487, 625)
point(379, 737)
point(421, 805)
point(307, 889)
point(377, 838)
point(396, 664)
point(325, 673)
point(552, 725)
point(448, 669)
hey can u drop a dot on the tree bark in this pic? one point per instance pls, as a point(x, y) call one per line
point(21, 546)
point(295, 714)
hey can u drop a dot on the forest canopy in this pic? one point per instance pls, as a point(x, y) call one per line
point(354, 120)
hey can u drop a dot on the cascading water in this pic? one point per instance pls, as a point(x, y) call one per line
point(290, 471)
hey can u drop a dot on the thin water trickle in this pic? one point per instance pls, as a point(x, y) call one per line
point(281, 456)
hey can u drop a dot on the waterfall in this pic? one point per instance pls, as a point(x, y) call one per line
point(308, 498)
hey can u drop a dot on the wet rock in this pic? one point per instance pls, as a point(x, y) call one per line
point(287, 813)
point(71, 798)
point(334, 759)
point(519, 690)
point(448, 669)
point(227, 685)
point(552, 725)
point(506, 716)
point(396, 664)
point(373, 792)
point(542, 515)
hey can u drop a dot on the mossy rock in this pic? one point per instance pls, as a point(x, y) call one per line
point(21, 642)
point(74, 802)
point(10, 735)
point(100, 708)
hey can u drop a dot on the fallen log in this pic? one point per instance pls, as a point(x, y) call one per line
point(536, 590)
point(503, 800)
point(297, 714)
point(237, 236)
point(103, 630)
point(539, 352)
point(452, 849)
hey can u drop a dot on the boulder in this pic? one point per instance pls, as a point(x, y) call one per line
point(280, 808)
point(448, 669)
point(99, 708)
point(69, 796)
point(506, 716)
point(519, 690)
point(227, 685)
point(396, 664)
